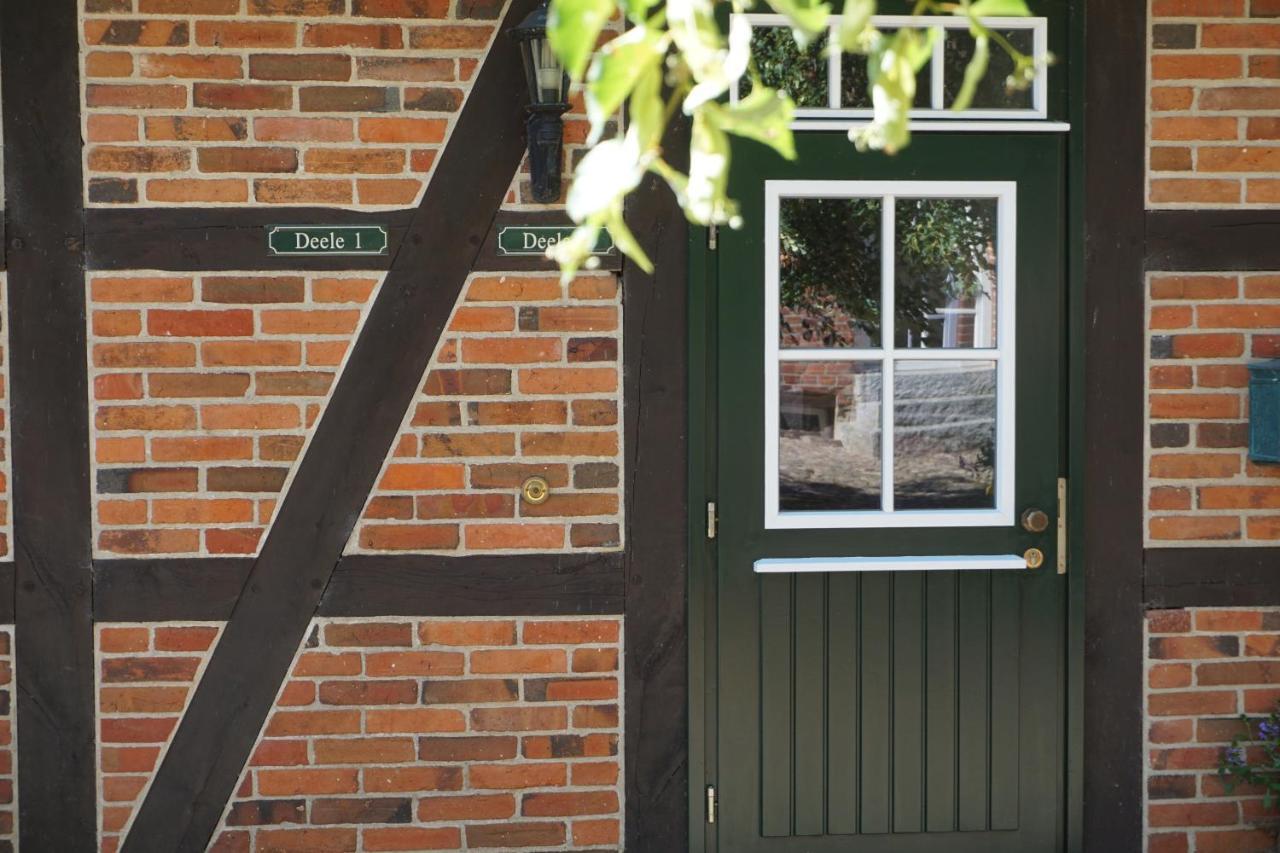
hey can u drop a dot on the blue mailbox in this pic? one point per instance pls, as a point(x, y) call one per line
point(1264, 411)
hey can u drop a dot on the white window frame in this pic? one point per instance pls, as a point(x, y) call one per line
point(1005, 195)
point(937, 110)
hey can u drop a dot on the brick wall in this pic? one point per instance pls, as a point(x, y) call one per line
point(1213, 133)
point(8, 735)
point(526, 382)
point(1204, 668)
point(145, 678)
point(440, 734)
point(1202, 332)
point(204, 389)
point(331, 102)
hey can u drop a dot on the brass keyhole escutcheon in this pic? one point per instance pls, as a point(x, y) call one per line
point(1035, 521)
point(1034, 558)
point(535, 490)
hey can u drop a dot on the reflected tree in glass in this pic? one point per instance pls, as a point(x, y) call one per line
point(830, 265)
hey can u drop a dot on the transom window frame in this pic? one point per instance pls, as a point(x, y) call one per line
point(1003, 354)
point(937, 110)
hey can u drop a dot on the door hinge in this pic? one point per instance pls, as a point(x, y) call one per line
point(711, 519)
point(713, 236)
point(1062, 525)
point(711, 804)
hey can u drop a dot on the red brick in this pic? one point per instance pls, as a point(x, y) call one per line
point(1192, 814)
point(367, 750)
point(507, 835)
point(557, 804)
point(305, 723)
point(413, 838)
point(369, 634)
point(387, 37)
point(190, 638)
point(471, 807)
point(406, 779)
point(1191, 703)
point(448, 632)
point(571, 632)
point(518, 719)
point(415, 663)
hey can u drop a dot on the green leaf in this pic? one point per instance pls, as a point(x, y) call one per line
point(647, 114)
point(764, 115)
point(608, 172)
point(999, 8)
point(626, 241)
point(974, 72)
point(573, 26)
point(892, 65)
point(615, 71)
point(705, 199)
point(808, 18)
point(854, 21)
point(715, 65)
point(637, 10)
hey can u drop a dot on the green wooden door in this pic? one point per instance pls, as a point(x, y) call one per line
point(888, 676)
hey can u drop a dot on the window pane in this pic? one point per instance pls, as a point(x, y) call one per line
point(992, 92)
point(945, 273)
point(829, 272)
point(781, 64)
point(829, 435)
point(944, 434)
point(854, 81)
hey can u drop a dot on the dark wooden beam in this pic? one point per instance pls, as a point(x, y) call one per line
point(1115, 92)
point(207, 239)
point(368, 585)
point(499, 585)
point(48, 374)
point(341, 463)
point(166, 589)
point(1212, 240)
point(655, 317)
point(223, 238)
point(1211, 577)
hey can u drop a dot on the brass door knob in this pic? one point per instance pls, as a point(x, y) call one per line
point(1034, 558)
point(1035, 520)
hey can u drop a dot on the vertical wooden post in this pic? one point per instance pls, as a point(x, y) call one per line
point(50, 425)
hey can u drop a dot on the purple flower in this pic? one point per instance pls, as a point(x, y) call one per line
point(1269, 730)
point(1234, 756)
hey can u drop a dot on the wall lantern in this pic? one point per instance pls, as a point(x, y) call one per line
point(548, 100)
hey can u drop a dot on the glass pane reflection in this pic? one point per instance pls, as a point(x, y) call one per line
point(855, 82)
point(945, 273)
point(829, 436)
point(944, 434)
point(782, 65)
point(829, 272)
point(992, 92)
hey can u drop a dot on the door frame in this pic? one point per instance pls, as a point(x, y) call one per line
point(702, 592)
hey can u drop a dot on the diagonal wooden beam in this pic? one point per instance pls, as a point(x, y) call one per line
point(213, 742)
point(39, 49)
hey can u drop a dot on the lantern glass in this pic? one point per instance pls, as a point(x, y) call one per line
point(548, 84)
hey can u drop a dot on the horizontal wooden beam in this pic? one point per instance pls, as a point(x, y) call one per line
point(1212, 240)
point(506, 585)
point(1210, 577)
point(235, 238)
point(223, 238)
point(206, 589)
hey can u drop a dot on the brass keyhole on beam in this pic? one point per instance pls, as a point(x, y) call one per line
point(535, 490)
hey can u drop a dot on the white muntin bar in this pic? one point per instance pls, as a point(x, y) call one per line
point(1002, 355)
